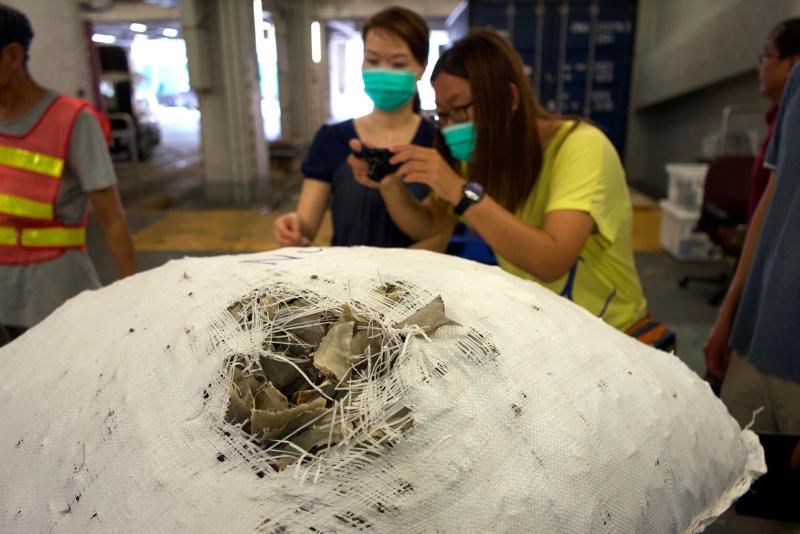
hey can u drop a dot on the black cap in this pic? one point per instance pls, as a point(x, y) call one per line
point(15, 28)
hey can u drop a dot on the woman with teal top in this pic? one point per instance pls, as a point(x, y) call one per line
point(396, 43)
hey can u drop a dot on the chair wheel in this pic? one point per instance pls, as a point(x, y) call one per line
point(683, 282)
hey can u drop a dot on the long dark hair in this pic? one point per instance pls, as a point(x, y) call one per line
point(508, 153)
point(408, 26)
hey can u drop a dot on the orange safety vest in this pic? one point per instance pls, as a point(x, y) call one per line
point(31, 167)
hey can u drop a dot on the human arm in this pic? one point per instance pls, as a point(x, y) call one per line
point(437, 243)
point(301, 226)
point(717, 351)
point(90, 161)
point(114, 224)
point(325, 154)
point(547, 252)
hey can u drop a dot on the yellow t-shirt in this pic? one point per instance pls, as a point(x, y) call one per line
point(581, 171)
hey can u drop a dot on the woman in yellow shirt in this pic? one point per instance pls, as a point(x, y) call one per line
point(547, 193)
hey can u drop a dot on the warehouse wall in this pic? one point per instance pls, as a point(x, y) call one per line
point(59, 55)
point(691, 60)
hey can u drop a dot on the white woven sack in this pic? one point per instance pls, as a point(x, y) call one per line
point(531, 415)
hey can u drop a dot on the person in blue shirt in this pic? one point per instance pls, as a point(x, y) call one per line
point(396, 43)
point(754, 342)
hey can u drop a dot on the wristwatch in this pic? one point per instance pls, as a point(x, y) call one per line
point(471, 194)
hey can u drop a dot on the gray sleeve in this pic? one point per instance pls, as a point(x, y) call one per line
point(88, 154)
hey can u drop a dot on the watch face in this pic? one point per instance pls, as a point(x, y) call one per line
point(473, 191)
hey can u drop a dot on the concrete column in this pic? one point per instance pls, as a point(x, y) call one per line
point(223, 69)
point(303, 84)
point(59, 53)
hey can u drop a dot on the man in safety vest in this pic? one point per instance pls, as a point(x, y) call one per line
point(54, 161)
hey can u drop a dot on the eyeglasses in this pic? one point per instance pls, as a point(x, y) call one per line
point(454, 116)
point(764, 55)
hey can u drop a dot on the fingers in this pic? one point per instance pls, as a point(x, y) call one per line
point(414, 166)
point(355, 145)
point(403, 153)
point(717, 356)
point(360, 168)
point(287, 230)
point(711, 361)
point(419, 178)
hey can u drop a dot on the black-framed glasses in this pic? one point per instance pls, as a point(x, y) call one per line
point(453, 116)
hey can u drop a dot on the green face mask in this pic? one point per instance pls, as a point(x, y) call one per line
point(389, 89)
point(460, 139)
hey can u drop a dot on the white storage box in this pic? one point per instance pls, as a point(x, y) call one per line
point(678, 236)
point(686, 183)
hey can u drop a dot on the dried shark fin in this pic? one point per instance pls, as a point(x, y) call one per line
point(245, 381)
point(280, 373)
point(351, 314)
point(429, 318)
point(270, 399)
point(309, 329)
point(319, 433)
point(271, 425)
point(238, 412)
point(309, 394)
point(359, 342)
point(333, 356)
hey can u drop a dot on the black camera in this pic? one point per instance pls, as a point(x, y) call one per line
point(378, 161)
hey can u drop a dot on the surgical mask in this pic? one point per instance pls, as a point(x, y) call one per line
point(389, 89)
point(460, 139)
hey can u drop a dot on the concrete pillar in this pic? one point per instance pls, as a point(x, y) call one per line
point(59, 53)
point(303, 85)
point(223, 69)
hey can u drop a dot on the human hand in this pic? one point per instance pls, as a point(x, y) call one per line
point(359, 166)
point(795, 460)
point(425, 165)
point(716, 350)
point(287, 231)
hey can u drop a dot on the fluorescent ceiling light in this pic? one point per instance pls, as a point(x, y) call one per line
point(137, 27)
point(316, 42)
point(103, 38)
point(170, 32)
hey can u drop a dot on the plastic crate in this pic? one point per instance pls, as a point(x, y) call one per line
point(678, 235)
point(686, 184)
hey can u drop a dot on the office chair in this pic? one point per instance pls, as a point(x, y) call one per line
point(724, 214)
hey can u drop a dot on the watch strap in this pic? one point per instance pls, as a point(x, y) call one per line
point(468, 199)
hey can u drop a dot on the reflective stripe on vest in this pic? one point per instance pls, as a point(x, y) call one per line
point(22, 207)
point(8, 235)
point(44, 237)
point(31, 161)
